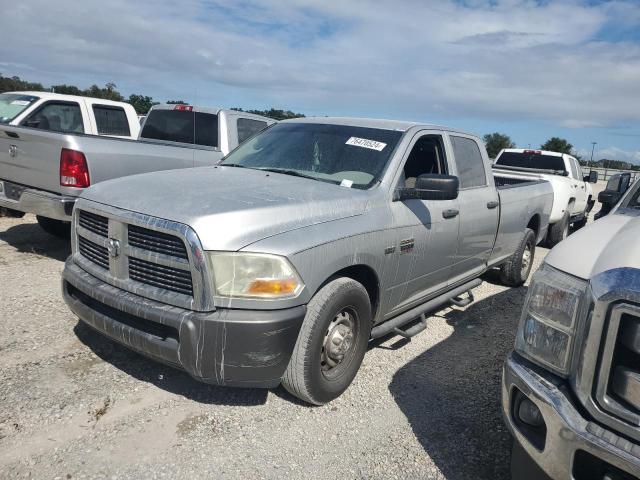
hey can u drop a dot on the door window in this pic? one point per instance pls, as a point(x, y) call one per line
point(248, 127)
point(183, 126)
point(63, 117)
point(471, 172)
point(111, 121)
point(427, 156)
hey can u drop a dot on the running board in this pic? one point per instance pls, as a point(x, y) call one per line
point(420, 311)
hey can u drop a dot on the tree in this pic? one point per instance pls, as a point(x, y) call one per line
point(496, 142)
point(274, 113)
point(142, 103)
point(16, 84)
point(555, 144)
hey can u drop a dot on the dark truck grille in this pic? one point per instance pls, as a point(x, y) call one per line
point(160, 276)
point(156, 242)
point(94, 223)
point(94, 252)
point(624, 383)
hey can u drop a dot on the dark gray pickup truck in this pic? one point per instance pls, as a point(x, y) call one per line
point(279, 264)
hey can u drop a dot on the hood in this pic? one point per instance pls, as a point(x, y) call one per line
point(611, 242)
point(229, 207)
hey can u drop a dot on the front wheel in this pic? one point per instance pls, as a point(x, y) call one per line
point(331, 344)
point(516, 270)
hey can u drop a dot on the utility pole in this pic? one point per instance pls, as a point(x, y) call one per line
point(593, 146)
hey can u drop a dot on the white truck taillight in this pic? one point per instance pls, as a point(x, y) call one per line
point(73, 169)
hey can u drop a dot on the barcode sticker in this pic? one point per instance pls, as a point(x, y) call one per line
point(365, 143)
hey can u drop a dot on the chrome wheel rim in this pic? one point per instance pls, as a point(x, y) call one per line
point(338, 343)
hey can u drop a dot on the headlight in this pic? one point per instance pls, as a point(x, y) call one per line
point(547, 328)
point(240, 274)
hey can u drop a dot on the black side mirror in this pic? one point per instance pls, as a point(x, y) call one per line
point(32, 122)
point(432, 187)
point(592, 177)
point(609, 197)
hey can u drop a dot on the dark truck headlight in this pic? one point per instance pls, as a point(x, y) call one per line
point(547, 329)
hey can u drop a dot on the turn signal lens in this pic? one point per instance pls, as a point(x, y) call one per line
point(273, 287)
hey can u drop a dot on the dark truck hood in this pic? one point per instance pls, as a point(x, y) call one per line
point(229, 207)
point(611, 242)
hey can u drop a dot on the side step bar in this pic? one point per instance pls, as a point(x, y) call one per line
point(420, 312)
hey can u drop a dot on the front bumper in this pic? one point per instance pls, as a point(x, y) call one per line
point(249, 348)
point(38, 202)
point(568, 432)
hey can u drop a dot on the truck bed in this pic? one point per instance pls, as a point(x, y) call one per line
point(519, 200)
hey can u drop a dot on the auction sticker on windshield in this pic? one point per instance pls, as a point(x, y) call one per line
point(365, 143)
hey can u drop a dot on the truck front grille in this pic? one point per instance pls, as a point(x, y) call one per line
point(94, 252)
point(625, 366)
point(160, 276)
point(94, 223)
point(156, 242)
point(141, 260)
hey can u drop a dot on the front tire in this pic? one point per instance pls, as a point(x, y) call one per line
point(331, 344)
point(57, 228)
point(516, 270)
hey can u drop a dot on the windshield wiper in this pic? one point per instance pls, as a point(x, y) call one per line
point(293, 173)
point(232, 165)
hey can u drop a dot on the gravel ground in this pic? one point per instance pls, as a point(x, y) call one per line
point(75, 405)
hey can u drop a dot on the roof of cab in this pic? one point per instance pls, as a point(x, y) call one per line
point(68, 98)
point(374, 123)
point(541, 152)
point(212, 110)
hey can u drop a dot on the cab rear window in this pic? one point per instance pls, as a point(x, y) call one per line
point(182, 126)
point(531, 160)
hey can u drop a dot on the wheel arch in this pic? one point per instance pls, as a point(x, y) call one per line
point(365, 275)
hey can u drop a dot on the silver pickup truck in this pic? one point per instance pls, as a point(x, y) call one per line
point(279, 264)
point(571, 388)
point(43, 171)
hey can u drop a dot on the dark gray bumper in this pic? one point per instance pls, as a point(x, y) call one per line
point(249, 348)
point(568, 431)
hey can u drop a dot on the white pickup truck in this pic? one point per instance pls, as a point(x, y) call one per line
point(572, 194)
point(49, 152)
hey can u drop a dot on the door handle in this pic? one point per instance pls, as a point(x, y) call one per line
point(452, 212)
point(492, 204)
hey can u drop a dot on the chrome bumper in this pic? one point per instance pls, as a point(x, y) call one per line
point(567, 430)
point(39, 202)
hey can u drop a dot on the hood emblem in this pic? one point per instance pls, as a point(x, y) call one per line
point(113, 247)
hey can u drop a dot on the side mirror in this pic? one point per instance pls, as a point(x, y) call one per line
point(32, 122)
point(609, 197)
point(432, 187)
point(592, 177)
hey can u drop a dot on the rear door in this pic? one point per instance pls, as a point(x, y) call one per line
point(478, 205)
point(31, 156)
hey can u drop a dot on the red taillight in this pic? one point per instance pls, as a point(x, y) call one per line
point(73, 169)
point(537, 152)
point(185, 108)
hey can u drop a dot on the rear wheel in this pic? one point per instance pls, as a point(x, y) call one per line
point(57, 228)
point(516, 270)
point(331, 344)
point(558, 231)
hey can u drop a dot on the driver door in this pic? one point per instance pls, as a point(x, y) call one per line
point(426, 231)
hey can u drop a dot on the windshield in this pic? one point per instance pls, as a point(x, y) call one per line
point(632, 198)
point(341, 154)
point(531, 160)
point(13, 104)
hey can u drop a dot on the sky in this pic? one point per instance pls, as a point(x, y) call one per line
point(530, 69)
